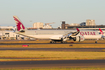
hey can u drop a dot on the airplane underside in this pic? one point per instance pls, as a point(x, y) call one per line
point(55, 41)
point(53, 38)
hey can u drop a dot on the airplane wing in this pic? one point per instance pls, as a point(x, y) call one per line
point(72, 34)
point(75, 33)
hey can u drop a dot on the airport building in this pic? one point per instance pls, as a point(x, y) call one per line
point(38, 25)
point(7, 27)
point(47, 26)
point(10, 35)
point(89, 24)
point(74, 24)
point(7, 35)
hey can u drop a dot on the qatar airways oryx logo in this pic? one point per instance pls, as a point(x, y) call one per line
point(19, 25)
point(17, 22)
point(87, 33)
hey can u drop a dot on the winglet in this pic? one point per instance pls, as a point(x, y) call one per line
point(101, 32)
point(77, 29)
point(20, 26)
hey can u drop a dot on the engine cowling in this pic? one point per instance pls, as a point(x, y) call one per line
point(79, 38)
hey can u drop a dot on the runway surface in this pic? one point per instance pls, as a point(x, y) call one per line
point(43, 43)
point(52, 63)
point(58, 49)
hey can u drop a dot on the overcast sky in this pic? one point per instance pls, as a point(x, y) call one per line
point(48, 11)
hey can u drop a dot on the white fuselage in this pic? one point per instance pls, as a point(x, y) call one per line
point(90, 34)
point(57, 34)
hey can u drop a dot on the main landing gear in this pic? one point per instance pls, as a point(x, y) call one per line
point(95, 41)
point(53, 41)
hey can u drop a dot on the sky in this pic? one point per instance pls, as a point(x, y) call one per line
point(48, 11)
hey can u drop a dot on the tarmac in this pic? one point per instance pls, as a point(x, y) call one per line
point(57, 49)
point(52, 63)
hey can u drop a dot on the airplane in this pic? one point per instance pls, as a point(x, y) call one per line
point(56, 35)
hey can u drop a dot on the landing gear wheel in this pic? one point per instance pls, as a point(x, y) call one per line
point(53, 42)
point(95, 41)
point(74, 39)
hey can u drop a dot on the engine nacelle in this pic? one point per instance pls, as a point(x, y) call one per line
point(79, 38)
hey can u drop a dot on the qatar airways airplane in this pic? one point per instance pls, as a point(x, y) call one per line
point(56, 35)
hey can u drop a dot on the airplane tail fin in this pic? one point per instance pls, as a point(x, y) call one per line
point(101, 32)
point(77, 29)
point(20, 26)
point(75, 33)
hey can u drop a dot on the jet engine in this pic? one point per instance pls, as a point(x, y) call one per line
point(79, 38)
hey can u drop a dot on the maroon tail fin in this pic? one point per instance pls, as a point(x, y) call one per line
point(20, 26)
point(77, 29)
point(101, 32)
